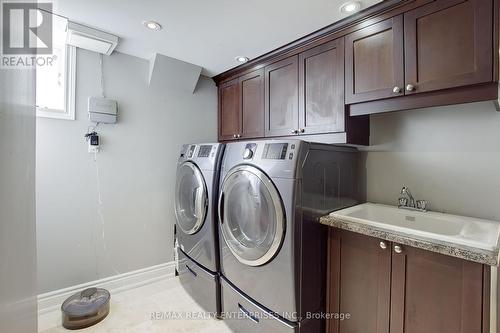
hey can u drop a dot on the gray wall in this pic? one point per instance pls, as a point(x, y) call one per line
point(448, 155)
point(18, 307)
point(80, 240)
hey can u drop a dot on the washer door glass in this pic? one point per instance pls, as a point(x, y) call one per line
point(252, 218)
point(191, 199)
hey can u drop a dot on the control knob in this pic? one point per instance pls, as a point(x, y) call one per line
point(248, 154)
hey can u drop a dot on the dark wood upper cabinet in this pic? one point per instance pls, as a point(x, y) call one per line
point(229, 110)
point(321, 89)
point(359, 283)
point(403, 290)
point(374, 61)
point(434, 293)
point(252, 104)
point(398, 55)
point(281, 97)
point(448, 43)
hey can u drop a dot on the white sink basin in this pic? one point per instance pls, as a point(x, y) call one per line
point(468, 231)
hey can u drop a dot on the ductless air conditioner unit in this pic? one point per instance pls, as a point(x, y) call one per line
point(90, 39)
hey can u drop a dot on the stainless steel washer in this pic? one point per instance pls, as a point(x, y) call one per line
point(273, 250)
point(196, 192)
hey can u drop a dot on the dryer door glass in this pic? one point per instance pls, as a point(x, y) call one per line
point(191, 200)
point(252, 216)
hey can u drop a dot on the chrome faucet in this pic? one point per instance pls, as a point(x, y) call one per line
point(406, 201)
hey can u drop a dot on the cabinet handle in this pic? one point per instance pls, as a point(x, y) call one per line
point(235, 136)
point(396, 90)
point(302, 130)
point(295, 131)
point(383, 245)
point(398, 249)
point(410, 87)
point(239, 136)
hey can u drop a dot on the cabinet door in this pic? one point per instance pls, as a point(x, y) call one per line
point(374, 61)
point(252, 104)
point(359, 283)
point(448, 43)
point(281, 97)
point(229, 110)
point(434, 293)
point(321, 88)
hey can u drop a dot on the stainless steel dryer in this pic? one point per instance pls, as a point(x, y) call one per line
point(196, 192)
point(273, 250)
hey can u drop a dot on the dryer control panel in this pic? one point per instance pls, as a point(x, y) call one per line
point(275, 151)
point(269, 151)
point(277, 158)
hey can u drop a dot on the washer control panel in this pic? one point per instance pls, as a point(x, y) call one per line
point(204, 151)
point(187, 151)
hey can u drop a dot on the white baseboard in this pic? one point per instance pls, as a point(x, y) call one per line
point(52, 300)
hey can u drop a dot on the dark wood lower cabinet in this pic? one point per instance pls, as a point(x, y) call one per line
point(413, 291)
point(434, 293)
point(360, 282)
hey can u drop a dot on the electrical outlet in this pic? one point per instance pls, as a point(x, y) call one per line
point(93, 140)
point(93, 149)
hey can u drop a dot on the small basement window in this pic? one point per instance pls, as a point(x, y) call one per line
point(55, 85)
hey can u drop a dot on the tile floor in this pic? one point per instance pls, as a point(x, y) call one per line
point(131, 313)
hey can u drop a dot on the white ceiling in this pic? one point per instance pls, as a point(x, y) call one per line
point(208, 33)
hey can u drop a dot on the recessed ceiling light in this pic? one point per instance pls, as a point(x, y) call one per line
point(350, 7)
point(242, 59)
point(152, 25)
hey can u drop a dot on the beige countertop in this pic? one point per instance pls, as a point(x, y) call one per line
point(457, 246)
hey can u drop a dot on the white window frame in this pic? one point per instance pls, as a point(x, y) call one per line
point(69, 91)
